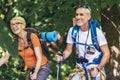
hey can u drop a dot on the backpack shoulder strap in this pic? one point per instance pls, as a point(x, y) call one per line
point(75, 30)
point(93, 25)
point(43, 43)
point(28, 35)
point(29, 39)
point(29, 31)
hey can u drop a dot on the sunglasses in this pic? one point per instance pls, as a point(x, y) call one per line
point(83, 6)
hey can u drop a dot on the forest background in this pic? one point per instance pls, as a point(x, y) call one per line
point(57, 15)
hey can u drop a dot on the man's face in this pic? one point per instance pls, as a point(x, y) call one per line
point(82, 16)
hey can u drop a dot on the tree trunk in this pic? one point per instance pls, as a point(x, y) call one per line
point(109, 23)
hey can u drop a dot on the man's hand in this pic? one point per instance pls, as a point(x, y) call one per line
point(94, 72)
point(58, 57)
point(74, 21)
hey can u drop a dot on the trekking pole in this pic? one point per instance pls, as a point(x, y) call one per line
point(58, 70)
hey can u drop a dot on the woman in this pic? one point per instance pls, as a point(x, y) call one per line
point(32, 58)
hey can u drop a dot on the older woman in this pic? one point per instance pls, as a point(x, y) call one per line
point(32, 57)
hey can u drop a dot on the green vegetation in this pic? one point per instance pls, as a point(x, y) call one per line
point(56, 15)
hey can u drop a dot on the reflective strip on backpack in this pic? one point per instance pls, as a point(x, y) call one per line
point(83, 44)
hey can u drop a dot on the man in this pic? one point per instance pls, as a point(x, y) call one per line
point(89, 64)
point(4, 58)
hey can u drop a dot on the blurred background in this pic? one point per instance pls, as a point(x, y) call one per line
point(57, 15)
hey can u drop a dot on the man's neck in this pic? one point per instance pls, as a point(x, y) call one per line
point(84, 27)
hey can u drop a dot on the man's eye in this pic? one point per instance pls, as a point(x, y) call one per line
point(81, 14)
point(76, 14)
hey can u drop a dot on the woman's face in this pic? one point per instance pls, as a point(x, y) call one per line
point(17, 27)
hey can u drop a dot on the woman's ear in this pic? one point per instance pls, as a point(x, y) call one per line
point(23, 26)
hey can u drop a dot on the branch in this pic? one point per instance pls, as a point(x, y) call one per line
point(55, 46)
point(111, 22)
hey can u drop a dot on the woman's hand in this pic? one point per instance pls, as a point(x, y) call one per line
point(33, 76)
point(4, 58)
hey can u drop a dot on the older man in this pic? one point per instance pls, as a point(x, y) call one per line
point(90, 60)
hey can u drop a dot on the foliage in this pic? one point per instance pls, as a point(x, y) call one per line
point(45, 15)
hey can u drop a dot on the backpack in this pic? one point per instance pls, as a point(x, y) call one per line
point(42, 42)
point(92, 25)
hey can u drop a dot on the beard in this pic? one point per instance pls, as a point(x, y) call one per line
point(81, 23)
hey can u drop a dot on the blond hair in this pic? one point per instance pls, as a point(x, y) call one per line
point(18, 19)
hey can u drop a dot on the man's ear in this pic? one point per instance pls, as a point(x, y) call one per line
point(89, 16)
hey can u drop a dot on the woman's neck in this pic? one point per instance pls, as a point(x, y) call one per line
point(22, 34)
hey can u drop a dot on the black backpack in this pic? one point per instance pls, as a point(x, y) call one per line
point(44, 47)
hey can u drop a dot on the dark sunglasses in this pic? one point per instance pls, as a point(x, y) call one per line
point(83, 6)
